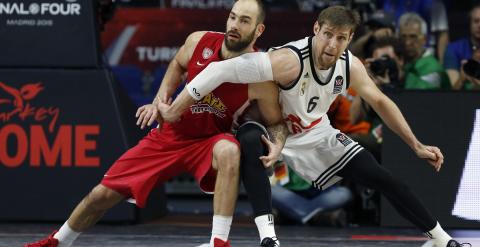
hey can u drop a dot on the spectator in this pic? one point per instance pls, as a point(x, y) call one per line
point(340, 118)
point(459, 51)
point(298, 200)
point(386, 62)
point(423, 70)
point(433, 11)
point(378, 25)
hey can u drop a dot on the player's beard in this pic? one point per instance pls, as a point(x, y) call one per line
point(241, 44)
point(326, 64)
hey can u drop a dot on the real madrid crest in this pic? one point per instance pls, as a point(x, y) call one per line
point(302, 88)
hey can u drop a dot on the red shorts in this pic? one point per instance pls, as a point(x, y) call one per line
point(158, 157)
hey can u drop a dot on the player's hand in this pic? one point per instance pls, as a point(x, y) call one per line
point(274, 152)
point(432, 155)
point(147, 114)
point(164, 109)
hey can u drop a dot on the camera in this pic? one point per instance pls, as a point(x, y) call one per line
point(472, 68)
point(383, 64)
point(380, 65)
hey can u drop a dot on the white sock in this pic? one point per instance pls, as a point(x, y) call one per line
point(439, 237)
point(66, 235)
point(266, 227)
point(220, 227)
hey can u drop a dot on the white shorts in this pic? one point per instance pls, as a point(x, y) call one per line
point(317, 155)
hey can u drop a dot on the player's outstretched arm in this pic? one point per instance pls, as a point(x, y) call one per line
point(281, 66)
point(390, 113)
point(247, 68)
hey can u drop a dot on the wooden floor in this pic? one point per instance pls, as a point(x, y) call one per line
point(175, 232)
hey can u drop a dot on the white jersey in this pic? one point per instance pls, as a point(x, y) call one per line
point(306, 101)
point(315, 150)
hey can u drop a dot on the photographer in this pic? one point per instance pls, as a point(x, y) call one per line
point(460, 51)
point(386, 63)
point(379, 25)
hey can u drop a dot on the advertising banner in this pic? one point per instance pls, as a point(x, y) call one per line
point(60, 130)
point(48, 33)
point(451, 121)
point(149, 38)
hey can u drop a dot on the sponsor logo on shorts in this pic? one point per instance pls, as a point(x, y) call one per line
point(342, 138)
point(338, 85)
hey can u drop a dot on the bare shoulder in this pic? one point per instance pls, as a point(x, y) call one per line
point(186, 51)
point(285, 66)
point(194, 38)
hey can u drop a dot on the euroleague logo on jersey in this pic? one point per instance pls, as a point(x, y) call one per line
point(343, 139)
point(338, 85)
point(28, 128)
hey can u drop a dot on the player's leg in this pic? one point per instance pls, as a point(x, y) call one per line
point(146, 160)
point(365, 170)
point(85, 215)
point(226, 161)
point(255, 178)
point(93, 207)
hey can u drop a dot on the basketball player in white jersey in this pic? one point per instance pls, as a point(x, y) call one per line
point(311, 72)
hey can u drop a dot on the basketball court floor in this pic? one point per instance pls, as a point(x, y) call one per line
point(192, 231)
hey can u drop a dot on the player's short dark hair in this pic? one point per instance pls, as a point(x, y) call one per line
point(261, 11)
point(339, 16)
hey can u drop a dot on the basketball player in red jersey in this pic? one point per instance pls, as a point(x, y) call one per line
point(199, 143)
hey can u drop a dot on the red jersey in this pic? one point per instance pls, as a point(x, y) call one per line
point(216, 112)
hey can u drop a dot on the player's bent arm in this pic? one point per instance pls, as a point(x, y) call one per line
point(148, 113)
point(386, 108)
point(285, 66)
point(266, 95)
point(178, 66)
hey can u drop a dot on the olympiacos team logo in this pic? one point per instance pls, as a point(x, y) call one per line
point(207, 53)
